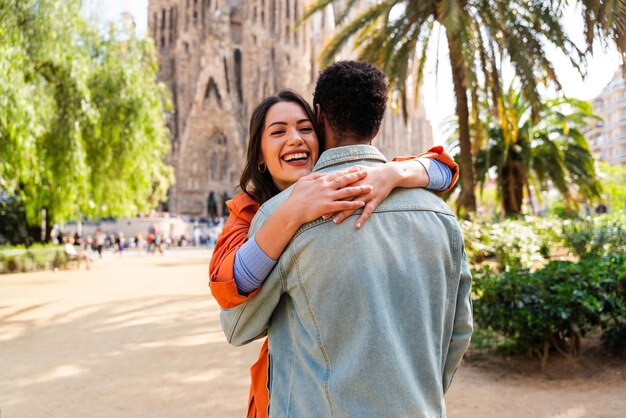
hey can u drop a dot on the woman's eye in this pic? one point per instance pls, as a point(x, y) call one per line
point(278, 132)
point(306, 129)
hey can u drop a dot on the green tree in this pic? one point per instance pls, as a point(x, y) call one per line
point(525, 151)
point(613, 185)
point(481, 35)
point(82, 130)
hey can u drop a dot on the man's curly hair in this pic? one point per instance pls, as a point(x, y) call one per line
point(353, 98)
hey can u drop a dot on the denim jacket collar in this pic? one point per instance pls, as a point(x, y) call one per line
point(348, 153)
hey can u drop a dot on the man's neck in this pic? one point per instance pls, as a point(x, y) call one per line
point(333, 141)
point(353, 141)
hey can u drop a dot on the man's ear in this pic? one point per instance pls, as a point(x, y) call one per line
point(375, 135)
point(319, 116)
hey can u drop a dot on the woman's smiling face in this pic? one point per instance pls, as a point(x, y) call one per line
point(289, 145)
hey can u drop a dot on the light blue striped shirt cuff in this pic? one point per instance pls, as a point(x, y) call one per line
point(439, 174)
point(252, 266)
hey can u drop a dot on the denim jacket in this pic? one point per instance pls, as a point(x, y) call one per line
point(363, 323)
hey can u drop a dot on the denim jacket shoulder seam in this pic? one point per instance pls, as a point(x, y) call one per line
point(395, 208)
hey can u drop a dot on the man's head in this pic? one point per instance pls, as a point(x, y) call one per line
point(350, 100)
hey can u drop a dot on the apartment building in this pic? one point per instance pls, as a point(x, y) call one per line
point(608, 138)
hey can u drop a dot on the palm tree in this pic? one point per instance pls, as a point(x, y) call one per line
point(481, 36)
point(524, 152)
point(606, 20)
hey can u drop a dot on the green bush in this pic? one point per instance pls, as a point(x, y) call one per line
point(595, 235)
point(39, 257)
point(554, 307)
point(514, 244)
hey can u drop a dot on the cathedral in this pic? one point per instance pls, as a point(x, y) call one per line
point(220, 58)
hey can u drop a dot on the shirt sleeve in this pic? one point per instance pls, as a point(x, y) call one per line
point(439, 174)
point(252, 266)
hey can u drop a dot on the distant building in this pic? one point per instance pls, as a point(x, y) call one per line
point(219, 59)
point(608, 138)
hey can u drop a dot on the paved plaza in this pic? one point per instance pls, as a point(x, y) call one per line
point(139, 336)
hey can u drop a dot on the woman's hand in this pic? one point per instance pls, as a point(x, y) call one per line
point(318, 195)
point(383, 180)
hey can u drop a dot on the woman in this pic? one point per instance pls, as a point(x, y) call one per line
point(282, 151)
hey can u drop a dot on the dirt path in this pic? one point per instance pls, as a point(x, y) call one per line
point(140, 337)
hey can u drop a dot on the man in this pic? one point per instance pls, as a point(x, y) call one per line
point(367, 323)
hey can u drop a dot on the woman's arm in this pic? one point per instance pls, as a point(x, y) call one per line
point(408, 171)
point(234, 262)
point(312, 197)
point(316, 195)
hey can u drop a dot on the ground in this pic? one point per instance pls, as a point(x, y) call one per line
point(139, 336)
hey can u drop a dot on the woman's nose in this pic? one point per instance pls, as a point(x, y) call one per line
point(295, 137)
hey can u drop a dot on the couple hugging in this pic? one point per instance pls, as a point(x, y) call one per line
point(363, 319)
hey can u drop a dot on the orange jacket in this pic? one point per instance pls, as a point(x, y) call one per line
point(224, 289)
point(242, 209)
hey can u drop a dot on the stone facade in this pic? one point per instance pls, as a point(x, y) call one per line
point(219, 59)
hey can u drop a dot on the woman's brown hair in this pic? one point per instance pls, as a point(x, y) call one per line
point(256, 184)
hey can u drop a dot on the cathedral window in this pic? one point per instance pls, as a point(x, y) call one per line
point(295, 16)
point(195, 18)
point(226, 76)
point(212, 90)
point(202, 9)
point(163, 13)
point(171, 32)
point(287, 9)
point(155, 25)
point(238, 75)
point(263, 12)
point(175, 22)
point(273, 16)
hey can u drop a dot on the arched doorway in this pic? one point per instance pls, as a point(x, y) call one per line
point(212, 206)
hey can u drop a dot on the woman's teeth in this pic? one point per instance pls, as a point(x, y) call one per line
point(297, 156)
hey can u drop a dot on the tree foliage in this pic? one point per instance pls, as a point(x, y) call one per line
point(525, 151)
point(605, 20)
point(482, 36)
point(82, 129)
point(613, 186)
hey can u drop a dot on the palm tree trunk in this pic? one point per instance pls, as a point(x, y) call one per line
point(512, 185)
point(467, 198)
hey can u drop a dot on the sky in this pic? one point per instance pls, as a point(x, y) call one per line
point(437, 91)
